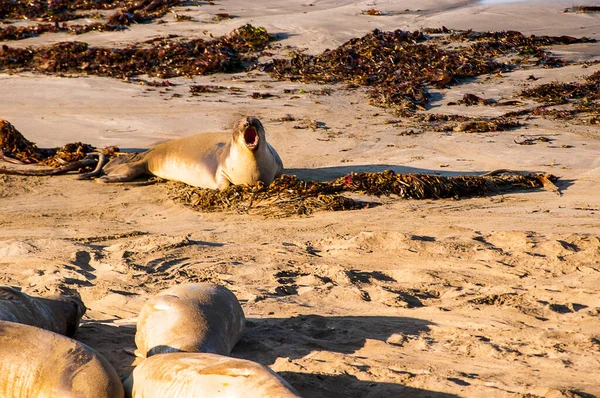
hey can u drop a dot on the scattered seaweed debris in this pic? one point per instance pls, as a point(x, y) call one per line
point(471, 99)
point(128, 12)
point(14, 145)
point(398, 66)
point(161, 58)
point(288, 195)
point(533, 140)
point(557, 93)
point(459, 123)
point(568, 101)
point(372, 12)
point(583, 9)
point(15, 148)
point(197, 89)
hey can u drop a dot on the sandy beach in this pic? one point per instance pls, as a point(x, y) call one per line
point(495, 296)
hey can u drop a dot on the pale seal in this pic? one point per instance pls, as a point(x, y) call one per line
point(200, 317)
point(56, 313)
point(187, 375)
point(208, 160)
point(37, 363)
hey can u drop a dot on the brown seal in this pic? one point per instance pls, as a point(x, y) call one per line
point(201, 317)
point(187, 375)
point(37, 363)
point(208, 160)
point(56, 313)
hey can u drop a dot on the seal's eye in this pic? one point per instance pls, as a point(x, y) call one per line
point(251, 137)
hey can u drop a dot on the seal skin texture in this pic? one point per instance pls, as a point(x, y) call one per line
point(201, 317)
point(58, 313)
point(37, 363)
point(187, 375)
point(207, 160)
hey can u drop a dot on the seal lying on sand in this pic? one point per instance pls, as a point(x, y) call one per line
point(38, 363)
point(184, 374)
point(59, 314)
point(200, 317)
point(209, 160)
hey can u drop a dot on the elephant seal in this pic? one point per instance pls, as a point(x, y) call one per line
point(187, 375)
point(208, 160)
point(200, 317)
point(37, 363)
point(58, 313)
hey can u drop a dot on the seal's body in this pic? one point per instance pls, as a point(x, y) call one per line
point(187, 375)
point(208, 160)
point(59, 314)
point(37, 363)
point(200, 317)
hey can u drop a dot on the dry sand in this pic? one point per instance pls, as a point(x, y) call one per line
point(496, 296)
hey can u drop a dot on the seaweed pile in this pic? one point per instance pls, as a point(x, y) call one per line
point(568, 100)
point(14, 147)
point(128, 12)
point(398, 66)
point(467, 124)
point(288, 195)
point(162, 57)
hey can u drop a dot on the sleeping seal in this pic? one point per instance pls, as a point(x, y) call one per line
point(58, 313)
point(208, 160)
point(200, 317)
point(37, 363)
point(187, 375)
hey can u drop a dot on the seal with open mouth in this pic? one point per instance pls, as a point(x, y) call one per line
point(207, 160)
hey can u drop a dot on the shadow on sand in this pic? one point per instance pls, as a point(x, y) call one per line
point(344, 385)
point(267, 339)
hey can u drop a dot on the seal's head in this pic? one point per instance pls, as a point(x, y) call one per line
point(250, 132)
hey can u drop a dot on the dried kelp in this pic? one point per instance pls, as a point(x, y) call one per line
point(467, 124)
point(14, 147)
point(288, 195)
point(44, 9)
point(557, 93)
point(128, 12)
point(583, 9)
point(398, 66)
point(162, 58)
point(578, 101)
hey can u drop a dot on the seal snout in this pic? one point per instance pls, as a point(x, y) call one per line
point(251, 137)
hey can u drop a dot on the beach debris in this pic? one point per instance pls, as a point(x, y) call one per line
point(222, 17)
point(288, 195)
point(197, 89)
point(164, 57)
point(468, 124)
point(557, 93)
point(583, 9)
point(399, 66)
point(533, 140)
point(578, 101)
point(15, 148)
point(372, 11)
point(127, 13)
point(471, 99)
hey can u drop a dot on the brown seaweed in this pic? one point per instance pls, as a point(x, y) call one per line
point(14, 146)
point(398, 66)
point(163, 58)
point(288, 195)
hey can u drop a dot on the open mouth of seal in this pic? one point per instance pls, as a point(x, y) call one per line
point(251, 137)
